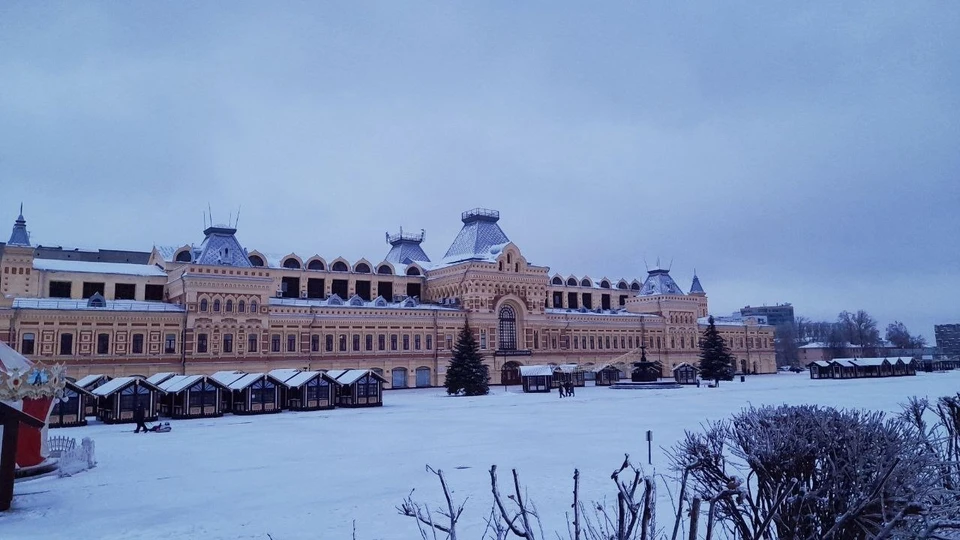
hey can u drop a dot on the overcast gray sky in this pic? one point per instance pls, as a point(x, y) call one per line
point(798, 152)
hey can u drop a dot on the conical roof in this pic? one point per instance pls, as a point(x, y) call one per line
point(695, 287)
point(221, 247)
point(19, 236)
point(405, 248)
point(479, 237)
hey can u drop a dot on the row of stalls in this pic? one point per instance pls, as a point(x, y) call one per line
point(858, 368)
point(544, 378)
point(205, 396)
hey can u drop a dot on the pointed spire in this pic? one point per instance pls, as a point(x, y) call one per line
point(695, 287)
point(19, 236)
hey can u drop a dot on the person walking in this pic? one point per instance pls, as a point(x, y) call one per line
point(570, 390)
point(561, 389)
point(138, 416)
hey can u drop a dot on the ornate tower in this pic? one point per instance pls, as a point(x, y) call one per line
point(16, 259)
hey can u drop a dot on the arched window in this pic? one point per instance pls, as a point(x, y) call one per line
point(255, 260)
point(253, 307)
point(585, 282)
point(241, 305)
point(604, 284)
point(635, 286)
point(339, 266)
point(229, 306)
point(557, 281)
point(183, 256)
point(508, 329)
point(572, 282)
point(362, 268)
point(216, 306)
point(203, 305)
point(315, 265)
point(509, 258)
point(622, 285)
point(290, 262)
point(413, 271)
point(384, 269)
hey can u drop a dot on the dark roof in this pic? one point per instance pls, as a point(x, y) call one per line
point(405, 248)
point(695, 287)
point(100, 255)
point(19, 235)
point(480, 232)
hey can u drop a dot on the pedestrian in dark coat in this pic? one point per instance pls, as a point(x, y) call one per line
point(139, 415)
point(570, 391)
point(561, 389)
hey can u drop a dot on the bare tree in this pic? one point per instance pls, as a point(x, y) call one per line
point(427, 525)
point(900, 337)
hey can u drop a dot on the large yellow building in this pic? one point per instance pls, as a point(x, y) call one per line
point(218, 305)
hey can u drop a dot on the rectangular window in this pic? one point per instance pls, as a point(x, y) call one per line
point(66, 343)
point(673, 342)
point(153, 293)
point(60, 289)
point(201, 343)
point(429, 342)
point(103, 343)
point(369, 342)
point(606, 341)
point(329, 343)
point(90, 289)
point(536, 339)
point(599, 342)
point(275, 343)
point(553, 342)
point(483, 339)
point(343, 342)
point(572, 300)
point(576, 342)
point(356, 342)
point(315, 288)
point(449, 342)
point(315, 343)
point(382, 342)
point(125, 291)
point(252, 340)
point(170, 344)
point(137, 344)
point(416, 342)
point(228, 343)
point(291, 343)
point(27, 344)
point(583, 342)
point(340, 288)
point(393, 342)
point(623, 342)
point(406, 342)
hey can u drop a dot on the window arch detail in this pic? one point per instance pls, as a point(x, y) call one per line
point(508, 329)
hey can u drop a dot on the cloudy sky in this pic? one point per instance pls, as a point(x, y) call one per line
point(792, 153)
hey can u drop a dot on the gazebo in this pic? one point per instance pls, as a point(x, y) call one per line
point(117, 400)
point(192, 396)
point(255, 393)
point(358, 387)
point(606, 374)
point(305, 390)
point(565, 373)
point(536, 379)
point(70, 410)
point(685, 373)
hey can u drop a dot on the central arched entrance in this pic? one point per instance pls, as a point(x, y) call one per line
point(508, 329)
point(510, 373)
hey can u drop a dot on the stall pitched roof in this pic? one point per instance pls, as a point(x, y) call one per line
point(119, 383)
point(227, 377)
point(12, 360)
point(536, 371)
point(84, 382)
point(351, 376)
point(158, 378)
point(249, 378)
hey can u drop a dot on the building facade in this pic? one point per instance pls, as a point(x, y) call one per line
point(777, 315)
point(198, 309)
point(948, 340)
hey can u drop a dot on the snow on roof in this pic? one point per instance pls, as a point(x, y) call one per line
point(405, 249)
point(302, 378)
point(353, 375)
point(821, 363)
point(179, 383)
point(568, 368)
point(226, 377)
point(11, 359)
point(601, 367)
point(606, 312)
point(246, 380)
point(821, 345)
point(118, 383)
point(58, 265)
point(536, 371)
point(110, 305)
point(88, 380)
point(685, 365)
point(283, 374)
point(845, 362)
point(158, 378)
point(221, 248)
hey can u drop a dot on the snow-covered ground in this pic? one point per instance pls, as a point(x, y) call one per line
point(310, 475)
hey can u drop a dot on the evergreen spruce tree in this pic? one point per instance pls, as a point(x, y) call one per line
point(716, 362)
point(466, 372)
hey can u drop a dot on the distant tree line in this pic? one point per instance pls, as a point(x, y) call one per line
point(851, 330)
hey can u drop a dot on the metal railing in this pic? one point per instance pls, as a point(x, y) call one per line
point(480, 212)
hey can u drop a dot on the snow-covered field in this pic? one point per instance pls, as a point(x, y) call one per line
point(310, 475)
